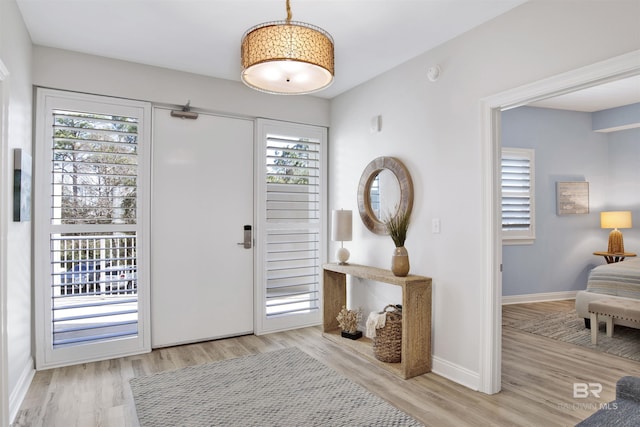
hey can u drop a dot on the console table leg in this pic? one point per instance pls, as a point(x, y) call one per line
point(335, 296)
point(416, 330)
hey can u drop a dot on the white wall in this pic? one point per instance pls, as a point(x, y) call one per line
point(15, 53)
point(435, 129)
point(61, 69)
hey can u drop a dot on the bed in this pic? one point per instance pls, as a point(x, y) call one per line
point(620, 280)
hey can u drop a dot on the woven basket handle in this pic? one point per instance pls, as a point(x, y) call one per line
point(395, 313)
point(394, 307)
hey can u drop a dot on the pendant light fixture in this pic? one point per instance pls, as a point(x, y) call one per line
point(287, 57)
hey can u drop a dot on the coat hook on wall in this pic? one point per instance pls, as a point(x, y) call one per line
point(185, 112)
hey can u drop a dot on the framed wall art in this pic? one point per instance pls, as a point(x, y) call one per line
point(21, 185)
point(572, 198)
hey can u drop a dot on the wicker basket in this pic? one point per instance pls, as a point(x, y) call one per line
point(387, 344)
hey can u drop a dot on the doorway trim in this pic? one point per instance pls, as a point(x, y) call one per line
point(618, 67)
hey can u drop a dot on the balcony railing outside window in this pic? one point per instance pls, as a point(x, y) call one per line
point(94, 287)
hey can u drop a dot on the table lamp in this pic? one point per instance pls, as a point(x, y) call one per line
point(341, 221)
point(615, 220)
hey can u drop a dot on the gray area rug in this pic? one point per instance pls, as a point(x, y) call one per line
point(280, 388)
point(568, 327)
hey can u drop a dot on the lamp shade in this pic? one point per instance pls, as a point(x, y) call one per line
point(287, 57)
point(341, 225)
point(615, 219)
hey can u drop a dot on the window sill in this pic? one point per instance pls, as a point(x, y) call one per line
point(514, 242)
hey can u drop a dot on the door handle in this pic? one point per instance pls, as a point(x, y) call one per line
point(248, 238)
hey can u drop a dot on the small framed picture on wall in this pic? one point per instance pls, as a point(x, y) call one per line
point(572, 198)
point(21, 185)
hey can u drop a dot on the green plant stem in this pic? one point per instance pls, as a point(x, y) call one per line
point(397, 227)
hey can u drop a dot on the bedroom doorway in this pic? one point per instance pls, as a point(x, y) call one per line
point(613, 69)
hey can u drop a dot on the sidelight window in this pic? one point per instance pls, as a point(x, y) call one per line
point(91, 157)
point(292, 224)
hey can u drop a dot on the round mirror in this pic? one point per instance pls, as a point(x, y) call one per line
point(385, 190)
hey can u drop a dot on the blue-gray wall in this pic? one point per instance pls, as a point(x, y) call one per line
point(567, 149)
point(616, 117)
point(624, 179)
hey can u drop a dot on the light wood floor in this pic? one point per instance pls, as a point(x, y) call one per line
point(537, 385)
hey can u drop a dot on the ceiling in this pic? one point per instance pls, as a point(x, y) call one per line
point(203, 36)
point(596, 98)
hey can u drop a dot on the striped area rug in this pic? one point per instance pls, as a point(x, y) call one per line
point(280, 388)
point(568, 327)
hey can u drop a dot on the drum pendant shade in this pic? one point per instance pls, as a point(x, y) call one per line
point(287, 57)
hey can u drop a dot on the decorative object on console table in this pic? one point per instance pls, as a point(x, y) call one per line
point(387, 344)
point(341, 231)
point(397, 227)
point(615, 220)
point(348, 321)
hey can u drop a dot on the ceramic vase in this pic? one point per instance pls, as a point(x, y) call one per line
point(400, 262)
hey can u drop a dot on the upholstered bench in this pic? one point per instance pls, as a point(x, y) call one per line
point(609, 309)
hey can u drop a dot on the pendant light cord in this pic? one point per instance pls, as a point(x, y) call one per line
point(288, 12)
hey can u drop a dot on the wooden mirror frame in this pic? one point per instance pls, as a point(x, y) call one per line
point(377, 165)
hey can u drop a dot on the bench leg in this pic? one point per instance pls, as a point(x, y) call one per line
point(609, 322)
point(594, 328)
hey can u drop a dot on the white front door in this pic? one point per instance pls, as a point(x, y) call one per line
point(202, 202)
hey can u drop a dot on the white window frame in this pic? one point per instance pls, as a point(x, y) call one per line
point(528, 236)
point(48, 100)
point(264, 128)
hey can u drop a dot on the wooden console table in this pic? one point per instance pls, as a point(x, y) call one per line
point(416, 316)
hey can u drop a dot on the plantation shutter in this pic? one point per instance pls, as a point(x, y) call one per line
point(293, 213)
point(94, 171)
point(517, 193)
point(293, 225)
point(89, 227)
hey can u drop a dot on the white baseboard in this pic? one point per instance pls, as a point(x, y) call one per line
point(549, 296)
point(17, 395)
point(456, 373)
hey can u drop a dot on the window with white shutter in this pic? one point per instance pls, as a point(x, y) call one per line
point(518, 214)
point(291, 225)
point(92, 172)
